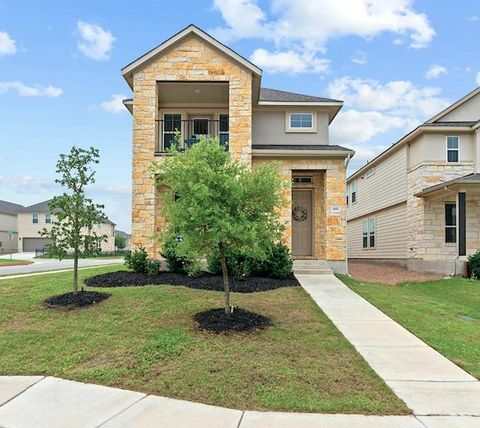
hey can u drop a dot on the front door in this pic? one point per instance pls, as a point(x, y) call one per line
point(302, 223)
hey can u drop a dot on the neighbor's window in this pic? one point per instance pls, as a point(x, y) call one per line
point(48, 218)
point(353, 191)
point(35, 218)
point(369, 230)
point(453, 149)
point(301, 121)
point(223, 129)
point(450, 223)
point(171, 124)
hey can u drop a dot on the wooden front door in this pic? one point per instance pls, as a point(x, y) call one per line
point(302, 214)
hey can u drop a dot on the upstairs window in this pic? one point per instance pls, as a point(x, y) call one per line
point(352, 192)
point(35, 218)
point(450, 223)
point(171, 124)
point(453, 148)
point(299, 122)
point(369, 231)
point(223, 129)
point(48, 218)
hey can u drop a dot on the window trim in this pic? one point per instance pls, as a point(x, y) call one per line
point(350, 192)
point(289, 129)
point(369, 233)
point(220, 132)
point(450, 226)
point(182, 130)
point(48, 218)
point(35, 218)
point(447, 149)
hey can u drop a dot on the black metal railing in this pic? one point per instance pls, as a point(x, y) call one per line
point(190, 131)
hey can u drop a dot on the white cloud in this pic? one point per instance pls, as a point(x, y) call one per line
point(30, 91)
point(477, 78)
point(7, 44)
point(313, 23)
point(473, 18)
point(115, 105)
point(96, 43)
point(359, 58)
point(27, 184)
point(289, 62)
point(398, 97)
point(435, 71)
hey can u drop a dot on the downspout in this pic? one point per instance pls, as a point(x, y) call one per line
point(347, 160)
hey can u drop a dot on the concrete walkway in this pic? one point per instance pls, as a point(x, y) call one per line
point(47, 402)
point(425, 380)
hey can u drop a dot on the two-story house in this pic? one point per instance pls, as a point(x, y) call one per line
point(8, 226)
point(418, 202)
point(197, 86)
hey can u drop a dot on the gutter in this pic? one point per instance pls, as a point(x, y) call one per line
point(326, 153)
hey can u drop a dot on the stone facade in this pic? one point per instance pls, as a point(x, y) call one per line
point(191, 60)
point(329, 191)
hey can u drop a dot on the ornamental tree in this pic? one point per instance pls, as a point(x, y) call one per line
point(212, 202)
point(75, 215)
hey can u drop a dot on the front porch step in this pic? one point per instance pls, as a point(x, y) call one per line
point(311, 267)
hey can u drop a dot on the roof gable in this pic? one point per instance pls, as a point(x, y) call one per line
point(466, 109)
point(9, 207)
point(177, 38)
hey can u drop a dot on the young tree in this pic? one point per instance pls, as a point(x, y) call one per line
point(75, 215)
point(120, 242)
point(214, 203)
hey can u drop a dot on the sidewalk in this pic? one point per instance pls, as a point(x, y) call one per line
point(425, 380)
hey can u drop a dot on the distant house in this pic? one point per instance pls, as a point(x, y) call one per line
point(418, 202)
point(127, 237)
point(8, 226)
point(32, 219)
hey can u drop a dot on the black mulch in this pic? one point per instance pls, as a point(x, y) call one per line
point(240, 320)
point(76, 300)
point(205, 281)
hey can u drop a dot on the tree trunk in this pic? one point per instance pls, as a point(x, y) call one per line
point(226, 284)
point(75, 271)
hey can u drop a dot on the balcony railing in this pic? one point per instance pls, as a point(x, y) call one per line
point(191, 131)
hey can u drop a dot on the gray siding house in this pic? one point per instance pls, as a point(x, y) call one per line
point(418, 203)
point(8, 227)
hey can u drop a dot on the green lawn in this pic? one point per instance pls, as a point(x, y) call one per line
point(433, 311)
point(145, 339)
point(6, 262)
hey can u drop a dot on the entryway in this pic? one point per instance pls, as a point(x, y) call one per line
point(302, 224)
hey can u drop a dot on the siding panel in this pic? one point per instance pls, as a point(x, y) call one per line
point(391, 236)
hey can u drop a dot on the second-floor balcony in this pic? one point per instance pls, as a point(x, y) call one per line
point(190, 130)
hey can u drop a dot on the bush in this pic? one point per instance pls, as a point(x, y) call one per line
point(277, 263)
point(153, 267)
point(474, 265)
point(137, 260)
point(177, 264)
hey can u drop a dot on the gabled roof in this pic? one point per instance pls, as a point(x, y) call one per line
point(453, 106)
point(186, 32)
point(9, 207)
point(284, 96)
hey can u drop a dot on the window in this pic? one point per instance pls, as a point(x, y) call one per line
point(302, 180)
point(223, 129)
point(369, 229)
point(299, 122)
point(48, 218)
point(35, 218)
point(450, 222)
point(453, 146)
point(171, 124)
point(353, 191)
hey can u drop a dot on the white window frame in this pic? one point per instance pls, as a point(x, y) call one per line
point(289, 128)
point(182, 131)
point(35, 218)
point(369, 232)
point(457, 149)
point(353, 184)
point(48, 218)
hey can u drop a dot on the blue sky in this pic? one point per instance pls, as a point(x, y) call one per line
point(394, 64)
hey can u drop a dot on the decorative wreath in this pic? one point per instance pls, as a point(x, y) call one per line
point(299, 213)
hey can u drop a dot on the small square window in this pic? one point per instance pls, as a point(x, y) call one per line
point(301, 120)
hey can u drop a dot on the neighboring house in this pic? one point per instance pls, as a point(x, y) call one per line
point(127, 237)
point(34, 218)
point(418, 202)
point(8, 227)
point(198, 86)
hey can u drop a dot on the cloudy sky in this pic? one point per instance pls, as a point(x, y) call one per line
point(395, 63)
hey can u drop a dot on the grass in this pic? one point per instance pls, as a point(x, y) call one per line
point(145, 339)
point(433, 311)
point(6, 262)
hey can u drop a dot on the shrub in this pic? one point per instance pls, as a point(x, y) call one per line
point(153, 267)
point(276, 263)
point(474, 265)
point(137, 260)
point(178, 264)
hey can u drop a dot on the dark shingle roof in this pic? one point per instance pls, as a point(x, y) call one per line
point(9, 207)
point(41, 207)
point(283, 96)
point(473, 178)
point(319, 147)
point(466, 124)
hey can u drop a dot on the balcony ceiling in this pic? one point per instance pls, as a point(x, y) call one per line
point(193, 92)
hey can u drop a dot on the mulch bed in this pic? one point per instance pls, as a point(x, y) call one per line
point(73, 300)
point(240, 320)
point(205, 281)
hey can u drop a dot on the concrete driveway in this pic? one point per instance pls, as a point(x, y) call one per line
point(19, 256)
